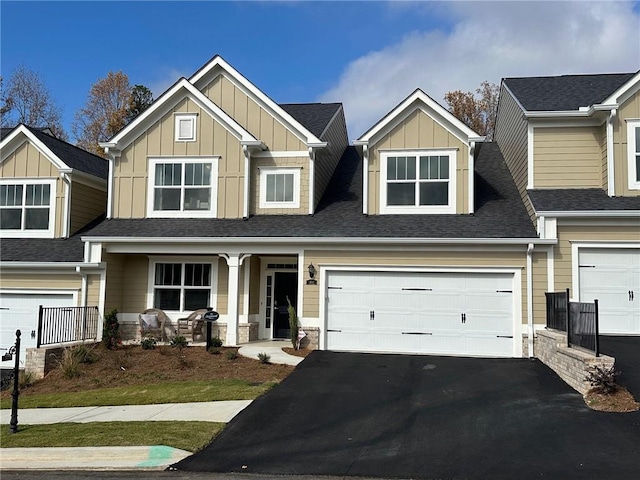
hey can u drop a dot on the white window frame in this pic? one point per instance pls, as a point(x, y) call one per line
point(22, 232)
point(450, 208)
point(182, 213)
point(264, 171)
point(634, 183)
point(151, 286)
point(189, 117)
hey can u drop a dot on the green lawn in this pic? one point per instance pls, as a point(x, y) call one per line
point(190, 436)
point(178, 392)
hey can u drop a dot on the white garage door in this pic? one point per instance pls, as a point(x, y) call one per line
point(19, 311)
point(434, 313)
point(613, 277)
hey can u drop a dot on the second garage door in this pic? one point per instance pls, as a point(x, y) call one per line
point(433, 313)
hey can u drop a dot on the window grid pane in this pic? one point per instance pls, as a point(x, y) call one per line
point(10, 195)
point(168, 274)
point(38, 194)
point(197, 275)
point(36, 219)
point(279, 187)
point(10, 219)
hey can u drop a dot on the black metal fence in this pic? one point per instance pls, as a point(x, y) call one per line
point(578, 319)
point(67, 324)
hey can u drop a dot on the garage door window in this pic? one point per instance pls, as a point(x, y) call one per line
point(26, 208)
point(182, 286)
point(418, 182)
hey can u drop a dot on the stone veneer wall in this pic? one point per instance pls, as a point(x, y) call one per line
point(312, 340)
point(248, 332)
point(41, 361)
point(571, 364)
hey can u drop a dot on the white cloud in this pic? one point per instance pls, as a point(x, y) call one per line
point(490, 41)
point(164, 80)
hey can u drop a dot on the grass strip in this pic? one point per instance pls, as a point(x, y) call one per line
point(189, 436)
point(177, 392)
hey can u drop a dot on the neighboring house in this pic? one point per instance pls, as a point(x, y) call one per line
point(572, 144)
point(414, 240)
point(49, 191)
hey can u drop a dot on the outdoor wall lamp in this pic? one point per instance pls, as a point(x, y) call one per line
point(312, 274)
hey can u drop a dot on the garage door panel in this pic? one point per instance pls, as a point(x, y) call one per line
point(422, 313)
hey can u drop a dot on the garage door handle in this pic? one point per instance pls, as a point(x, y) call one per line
point(329, 330)
point(418, 289)
point(631, 295)
point(416, 333)
point(504, 336)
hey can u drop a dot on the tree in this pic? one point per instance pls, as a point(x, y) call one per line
point(27, 100)
point(478, 113)
point(111, 104)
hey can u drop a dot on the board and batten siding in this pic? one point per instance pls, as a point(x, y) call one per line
point(511, 135)
point(327, 158)
point(605, 167)
point(87, 204)
point(27, 162)
point(253, 118)
point(296, 162)
point(212, 139)
point(436, 259)
point(567, 157)
point(135, 278)
point(114, 290)
point(630, 109)
point(419, 131)
point(568, 234)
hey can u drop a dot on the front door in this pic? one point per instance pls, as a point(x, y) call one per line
point(285, 286)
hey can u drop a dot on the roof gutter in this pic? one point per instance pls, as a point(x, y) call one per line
point(589, 213)
point(50, 265)
point(582, 112)
point(323, 240)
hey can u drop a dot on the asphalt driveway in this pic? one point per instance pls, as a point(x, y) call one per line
point(424, 417)
point(626, 351)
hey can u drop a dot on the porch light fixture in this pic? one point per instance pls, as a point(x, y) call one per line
point(312, 274)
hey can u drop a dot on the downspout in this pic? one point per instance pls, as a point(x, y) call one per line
point(247, 194)
point(365, 180)
point(530, 330)
point(84, 293)
point(111, 159)
point(312, 180)
point(66, 218)
point(471, 168)
point(611, 178)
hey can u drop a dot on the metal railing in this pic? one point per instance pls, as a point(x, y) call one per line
point(578, 319)
point(67, 324)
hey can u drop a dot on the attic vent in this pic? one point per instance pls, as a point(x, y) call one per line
point(185, 127)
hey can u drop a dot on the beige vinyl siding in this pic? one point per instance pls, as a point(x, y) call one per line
point(511, 135)
point(256, 120)
point(135, 280)
point(327, 159)
point(539, 282)
point(212, 139)
point(435, 258)
point(296, 162)
point(223, 288)
point(419, 131)
point(630, 109)
point(596, 233)
point(42, 281)
point(93, 290)
point(567, 157)
point(27, 162)
point(254, 285)
point(115, 280)
point(87, 203)
point(605, 167)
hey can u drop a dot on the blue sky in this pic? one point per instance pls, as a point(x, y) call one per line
point(368, 55)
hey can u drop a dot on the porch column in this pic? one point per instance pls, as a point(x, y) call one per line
point(234, 261)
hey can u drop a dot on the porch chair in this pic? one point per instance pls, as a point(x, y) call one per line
point(193, 324)
point(152, 322)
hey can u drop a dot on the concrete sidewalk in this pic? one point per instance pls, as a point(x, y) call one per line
point(155, 457)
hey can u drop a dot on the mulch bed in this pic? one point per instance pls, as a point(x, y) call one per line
point(618, 401)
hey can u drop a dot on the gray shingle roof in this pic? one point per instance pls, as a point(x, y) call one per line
point(73, 156)
point(499, 213)
point(580, 199)
point(42, 249)
point(566, 92)
point(314, 116)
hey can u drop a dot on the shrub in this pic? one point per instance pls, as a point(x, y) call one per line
point(111, 330)
point(293, 324)
point(264, 357)
point(84, 353)
point(232, 355)
point(179, 342)
point(26, 378)
point(69, 364)
point(214, 350)
point(148, 343)
point(602, 379)
point(216, 342)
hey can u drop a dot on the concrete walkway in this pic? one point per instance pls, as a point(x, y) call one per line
point(155, 457)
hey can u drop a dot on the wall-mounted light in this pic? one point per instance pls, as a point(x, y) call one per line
point(312, 274)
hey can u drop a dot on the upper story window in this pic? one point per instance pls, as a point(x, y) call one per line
point(181, 286)
point(27, 208)
point(279, 187)
point(185, 127)
point(633, 147)
point(418, 182)
point(182, 187)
